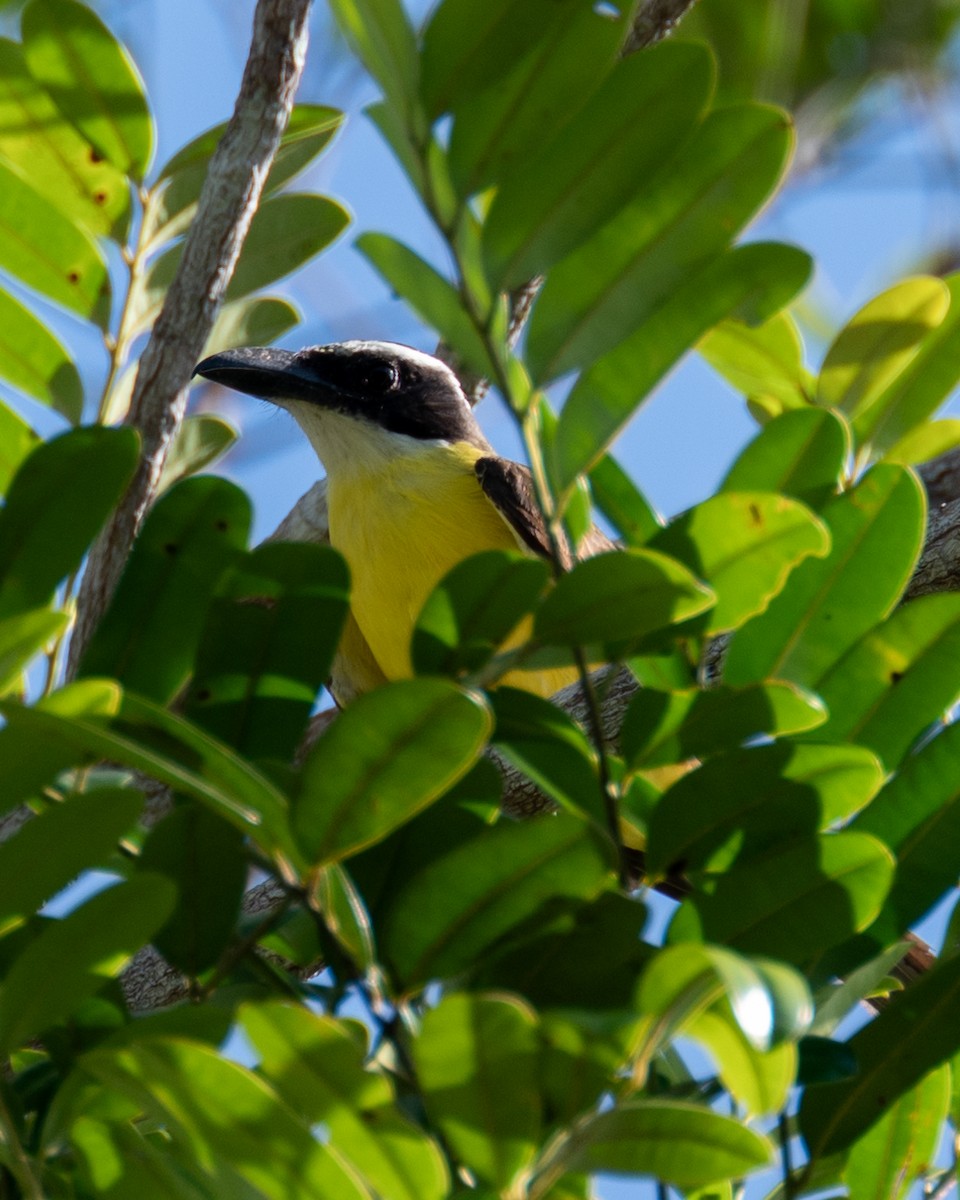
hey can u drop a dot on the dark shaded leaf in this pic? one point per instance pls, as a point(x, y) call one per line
point(801, 453)
point(149, 634)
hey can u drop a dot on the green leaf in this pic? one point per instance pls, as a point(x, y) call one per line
point(230, 1122)
point(806, 895)
point(619, 596)
point(688, 213)
point(550, 748)
point(476, 1058)
point(677, 1143)
point(656, 326)
point(37, 364)
point(253, 321)
point(53, 848)
point(759, 1080)
point(267, 645)
point(286, 232)
point(149, 634)
point(577, 956)
point(24, 636)
point(119, 1160)
point(506, 115)
point(384, 41)
point(902, 1146)
point(744, 544)
point(464, 48)
point(55, 505)
point(433, 297)
point(878, 343)
point(920, 388)
point(801, 454)
point(473, 609)
point(897, 680)
point(445, 916)
point(386, 757)
point(895, 1051)
point(669, 727)
point(17, 440)
point(917, 816)
point(554, 199)
point(739, 805)
point(39, 142)
point(199, 441)
point(926, 441)
point(173, 201)
point(622, 503)
point(73, 958)
point(317, 1067)
point(43, 249)
point(761, 360)
point(829, 604)
point(70, 728)
point(204, 858)
point(92, 79)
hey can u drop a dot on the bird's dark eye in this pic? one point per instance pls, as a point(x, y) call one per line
point(377, 378)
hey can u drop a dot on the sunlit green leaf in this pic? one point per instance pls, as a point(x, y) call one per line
point(926, 441)
point(878, 343)
point(919, 390)
point(744, 545)
point(24, 636)
point(61, 165)
point(829, 603)
point(678, 1143)
point(895, 1051)
point(253, 321)
point(149, 634)
point(668, 727)
point(806, 895)
point(556, 197)
point(318, 1068)
point(47, 252)
point(477, 1065)
point(36, 363)
point(60, 497)
point(678, 219)
point(761, 360)
point(801, 454)
point(17, 440)
point(898, 679)
point(652, 331)
point(230, 1120)
point(74, 957)
point(902, 1146)
point(917, 816)
point(760, 1080)
point(93, 80)
point(738, 805)
point(386, 757)
point(618, 596)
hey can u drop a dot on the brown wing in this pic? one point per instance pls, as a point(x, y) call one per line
point(509, 488)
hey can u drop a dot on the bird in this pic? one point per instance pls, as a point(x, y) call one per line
point(413, 488)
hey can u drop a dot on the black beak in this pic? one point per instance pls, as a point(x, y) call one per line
point(259, 371)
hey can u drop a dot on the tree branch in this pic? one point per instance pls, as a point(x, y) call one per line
point(227, 203)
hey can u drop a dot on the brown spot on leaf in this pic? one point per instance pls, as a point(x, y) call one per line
point(171, 548)
point(73, 276)
point(100, 198)
point(755, 514)
point(221, 526)
point(896, 676)
point(95, 156)
point(203, 694)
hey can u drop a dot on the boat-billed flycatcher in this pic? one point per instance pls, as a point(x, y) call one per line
point(413, 487)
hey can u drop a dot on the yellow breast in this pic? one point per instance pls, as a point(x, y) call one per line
point(401, 529)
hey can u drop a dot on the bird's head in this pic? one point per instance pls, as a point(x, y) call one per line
point(354, 399)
